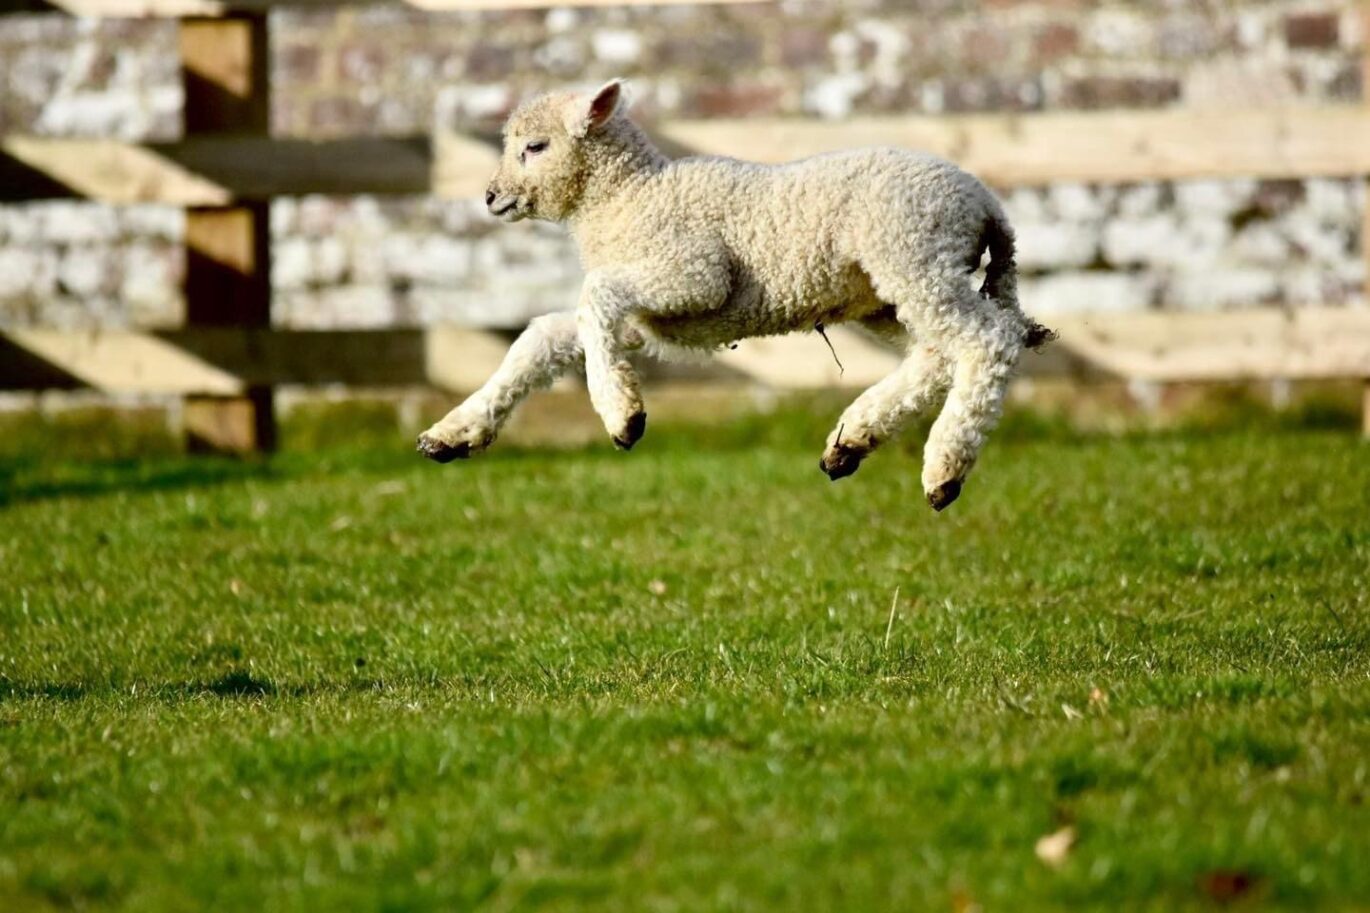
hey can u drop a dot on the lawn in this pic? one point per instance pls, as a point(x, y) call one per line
point(671, 679)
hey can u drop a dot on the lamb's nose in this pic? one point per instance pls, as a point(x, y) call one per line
point(489, 197)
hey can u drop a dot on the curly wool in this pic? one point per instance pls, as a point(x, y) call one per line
point(697, 253)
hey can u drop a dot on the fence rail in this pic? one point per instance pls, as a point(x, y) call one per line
point(1005, 150)
point(175, 9)
point(227, 167)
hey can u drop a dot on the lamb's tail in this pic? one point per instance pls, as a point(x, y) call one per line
point(1001, 278)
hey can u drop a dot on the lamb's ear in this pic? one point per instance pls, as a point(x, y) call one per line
point(594, 111)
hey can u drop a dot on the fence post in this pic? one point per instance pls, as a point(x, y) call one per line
point(225, 73)
point(1363, 9)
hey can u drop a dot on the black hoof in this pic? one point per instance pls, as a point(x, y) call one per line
point(841, 462)
point(941, 497)
point(439, 452)
point(632, 432)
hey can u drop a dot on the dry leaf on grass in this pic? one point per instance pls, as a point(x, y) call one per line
point(1228, 885)
point(1055, 847)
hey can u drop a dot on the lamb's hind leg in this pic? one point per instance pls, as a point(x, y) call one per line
point(548, 348)
point(985, 341)
point(878, 414)
point(980, 338)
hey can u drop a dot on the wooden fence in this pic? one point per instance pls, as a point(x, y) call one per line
point(227, 167)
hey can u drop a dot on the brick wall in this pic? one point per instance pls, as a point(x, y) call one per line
point(363, 261)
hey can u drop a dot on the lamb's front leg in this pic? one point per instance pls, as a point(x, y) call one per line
point(615, 391)
point(544, 351)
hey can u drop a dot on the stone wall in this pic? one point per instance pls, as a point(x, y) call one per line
point(367, 262)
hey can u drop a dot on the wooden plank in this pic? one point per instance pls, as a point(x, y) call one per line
point(456, 358)
point(1261, 344)
point(1032, 149)
point(1255, 344)
point(803, 360)
point(225, 74)
point(122, 361)
point(217, 170)
point(463, 165)
point(1005, 150)
point(180, 8)
point(228, 361)
point(270, 357)
point(1364, 15)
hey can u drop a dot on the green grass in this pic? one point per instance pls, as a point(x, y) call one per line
point(668, 680)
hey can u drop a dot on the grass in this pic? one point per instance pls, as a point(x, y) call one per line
point(669, 680)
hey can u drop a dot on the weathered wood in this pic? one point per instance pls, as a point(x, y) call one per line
point(1039, 148)
point(217, 170)
point(179, 8)
point(1364, 11)
point(228, 361)
point(463, 165)
point(803, 360)
point(1365, 410)
point(1003, 149)
point(224, 69)
point(1262, 344)
point(1254, 344)
point(117, 361)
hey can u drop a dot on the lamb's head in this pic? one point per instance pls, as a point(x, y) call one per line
point(556, 146)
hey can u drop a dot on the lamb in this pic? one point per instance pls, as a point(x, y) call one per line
point(697, 253)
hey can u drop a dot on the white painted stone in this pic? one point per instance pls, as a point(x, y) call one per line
point(329, 261)
point(1332, 201)
point(1054, 245)
point(1323, 244)
point(561, 19)
point(357, 306)
point(1025, 206)
point(1140, 240)
point(163, 223)
point(891, 50)
point(21, 224)
point(562, 54)
point(85, 271)
point(1310, 285)
point(616, 46)
point(1077, 201)
point(290, 263)
point(70, 222)
point(284, 216)
point(317, 216)
point(1087, 292)
point(149, 290)
point(1214, 198)
point(1139, 199)
point(1262, 244)
point(457, 103)
point(1218, 289)
point(1117, 32)
point(832, 97)
point(18, 268)
point(932, 96)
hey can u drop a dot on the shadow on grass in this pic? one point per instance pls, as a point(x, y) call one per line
point(238, 683)
point(30, 479)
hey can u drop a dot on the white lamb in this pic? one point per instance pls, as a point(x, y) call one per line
point(701, 252)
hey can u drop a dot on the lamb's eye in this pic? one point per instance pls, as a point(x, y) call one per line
point(535, 147)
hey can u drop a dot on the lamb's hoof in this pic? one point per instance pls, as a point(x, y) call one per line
point(439, 452)
point(941, 497)
point(839, 461)
point(632, 431)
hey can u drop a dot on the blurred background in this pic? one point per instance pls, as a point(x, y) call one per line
point(1161, 160)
